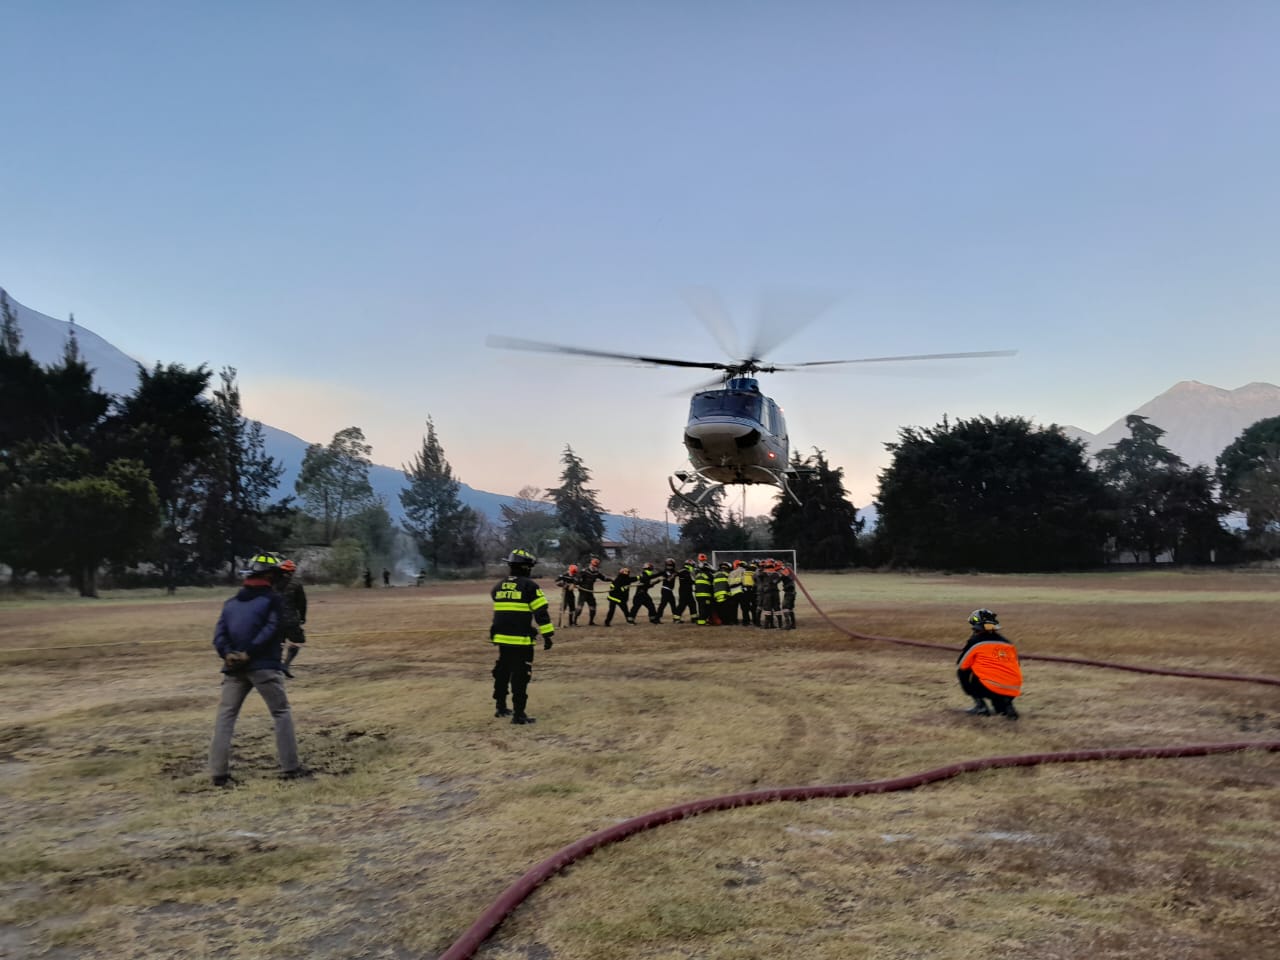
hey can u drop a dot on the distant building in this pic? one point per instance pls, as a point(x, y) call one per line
point(611, 549)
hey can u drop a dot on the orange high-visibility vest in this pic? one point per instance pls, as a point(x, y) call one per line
point(995, 663)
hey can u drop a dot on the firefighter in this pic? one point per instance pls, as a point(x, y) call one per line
point(295, 612)
point(749, 612)
point(787, 611)
point(702, 590)
point(667, 593)
point(720, 593)
point(587, 589)
point(768, 589)
point(988, 668)
point(568, 582)
point(735, 592)
point(621, 586)
point(647, 577)
point(520, 615)
point(685, 600)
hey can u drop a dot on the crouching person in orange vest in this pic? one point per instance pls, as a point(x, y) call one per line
point(988, 668)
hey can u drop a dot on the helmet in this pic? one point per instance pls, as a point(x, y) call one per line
point(737, 564)
point(724, 564)
point(264, 563)
point(288, 566)
point(573, 568)
point(979, 619)
point(702, 558)
point(521, 558)
point(648, 564)
point(595, 561)
point(626, 570)
point(669, 562)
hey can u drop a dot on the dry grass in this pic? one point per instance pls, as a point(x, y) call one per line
point(426, 807)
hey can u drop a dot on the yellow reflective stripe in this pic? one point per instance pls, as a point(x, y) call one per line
point(513, 607)
point(539, 603)
point(547, 628)
point(517, 641)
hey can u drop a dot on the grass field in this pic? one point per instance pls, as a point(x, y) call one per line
point(426, 807)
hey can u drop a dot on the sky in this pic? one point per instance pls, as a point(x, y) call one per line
point(342, 201)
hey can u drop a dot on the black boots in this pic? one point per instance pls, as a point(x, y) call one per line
point(501, 710)
point(979, 708)
point(523, 718)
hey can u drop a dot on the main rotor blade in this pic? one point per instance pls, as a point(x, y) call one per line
point(781, 315)
point(709, 308)
point(537, 346)
point(917, 356)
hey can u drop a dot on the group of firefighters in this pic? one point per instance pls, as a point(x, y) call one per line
point(744, 593)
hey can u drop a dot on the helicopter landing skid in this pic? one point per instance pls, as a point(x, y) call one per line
point(779, 479)
point(687, 477)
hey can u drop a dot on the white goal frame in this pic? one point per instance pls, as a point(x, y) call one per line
point(787, 556)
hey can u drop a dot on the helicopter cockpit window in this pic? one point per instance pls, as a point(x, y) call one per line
point(746, 406)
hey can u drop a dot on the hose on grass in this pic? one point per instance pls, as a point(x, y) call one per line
point(466, 945)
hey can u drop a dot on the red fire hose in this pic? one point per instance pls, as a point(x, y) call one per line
point(514, 895)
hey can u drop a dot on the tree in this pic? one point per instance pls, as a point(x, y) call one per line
point(1248, 475)
point(577, 508)
point(64, 517)
point(699, 515)
point(333, 481)
point(531, 521)
point(168, 425)
point(1158, 501)
point(989, 494)
point(444, 530)
point(237, 518)
point(10, 331)
point(824, 526)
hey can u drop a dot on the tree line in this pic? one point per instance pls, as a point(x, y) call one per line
point(174, 483)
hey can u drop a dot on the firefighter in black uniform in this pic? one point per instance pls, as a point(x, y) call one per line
point(702, 589)
point(747, 602)
point(667, 595)
point(720, 593)
point(294, 612)
point(685, 602)
point(568, 581)
point(587, 589)
point(621, 586)
point(644, 582)
point(520, 615)
point(787, 612)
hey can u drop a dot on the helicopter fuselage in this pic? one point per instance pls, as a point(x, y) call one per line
point(736, 434)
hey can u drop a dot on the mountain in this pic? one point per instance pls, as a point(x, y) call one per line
point(116, 373)
point(1199, 420)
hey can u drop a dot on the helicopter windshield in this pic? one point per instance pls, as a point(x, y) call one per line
point(725, 403)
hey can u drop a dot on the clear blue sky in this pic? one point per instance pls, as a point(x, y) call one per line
point(342, 200)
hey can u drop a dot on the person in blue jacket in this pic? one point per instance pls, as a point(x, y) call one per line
point(248, 639)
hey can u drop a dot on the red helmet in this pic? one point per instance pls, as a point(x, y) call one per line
point(288, 566)
point(573, 568)
point(595, 561)
point(702, 558)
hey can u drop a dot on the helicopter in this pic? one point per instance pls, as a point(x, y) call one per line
point(734, 434)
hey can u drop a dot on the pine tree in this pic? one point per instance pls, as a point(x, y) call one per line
point(577, 508)
point(823, 527)
point(443, 529)
point(10, 332)
point(237, 518)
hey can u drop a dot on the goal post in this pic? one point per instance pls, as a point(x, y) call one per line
point(777, 553)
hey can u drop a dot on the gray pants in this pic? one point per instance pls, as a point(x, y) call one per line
point(235, 687)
